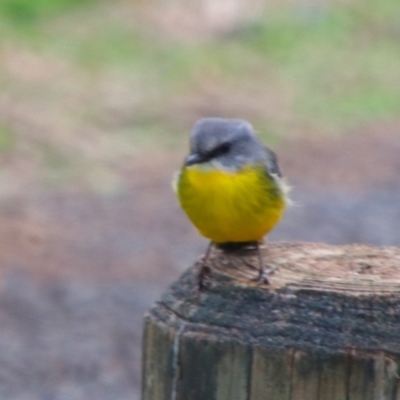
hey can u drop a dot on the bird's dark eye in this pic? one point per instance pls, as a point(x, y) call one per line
point(223, 148)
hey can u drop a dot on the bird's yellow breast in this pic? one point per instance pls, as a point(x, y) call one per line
point(230, 206)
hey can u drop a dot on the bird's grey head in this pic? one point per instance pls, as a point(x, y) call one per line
point(231, 143)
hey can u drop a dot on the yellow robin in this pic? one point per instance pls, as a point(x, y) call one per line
point(230, 185)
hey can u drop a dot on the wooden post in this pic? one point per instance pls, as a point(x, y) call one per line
point(326, 328)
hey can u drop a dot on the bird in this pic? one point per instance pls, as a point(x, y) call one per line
point(230, 186)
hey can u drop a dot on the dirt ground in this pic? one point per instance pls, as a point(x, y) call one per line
point(79, 269)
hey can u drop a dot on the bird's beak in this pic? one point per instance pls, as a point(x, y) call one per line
point(193, 158)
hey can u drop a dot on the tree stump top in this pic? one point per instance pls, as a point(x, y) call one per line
point(320, 297)
point(353, 270)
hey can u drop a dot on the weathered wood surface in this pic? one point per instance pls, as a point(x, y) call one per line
point(326, 328)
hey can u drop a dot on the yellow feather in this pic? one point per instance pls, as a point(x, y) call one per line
point(231, 206)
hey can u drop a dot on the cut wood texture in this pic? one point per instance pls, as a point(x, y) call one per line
point(327, 327)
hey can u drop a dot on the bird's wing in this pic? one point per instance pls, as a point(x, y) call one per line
point(271, 162)
point(272, 169)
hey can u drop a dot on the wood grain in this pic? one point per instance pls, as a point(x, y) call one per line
point(326, 328)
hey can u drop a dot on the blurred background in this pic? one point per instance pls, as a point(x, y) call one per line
point(97, 99)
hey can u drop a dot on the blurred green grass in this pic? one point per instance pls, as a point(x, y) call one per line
point(7, 139)
point(20, 12)
point(112, 79)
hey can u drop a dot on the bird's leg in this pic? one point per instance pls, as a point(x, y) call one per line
point(204, 268)
point(262, 276)
point(262, 272)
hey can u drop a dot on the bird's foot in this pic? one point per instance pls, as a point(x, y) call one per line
point(264, 273)
point(204, 271)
